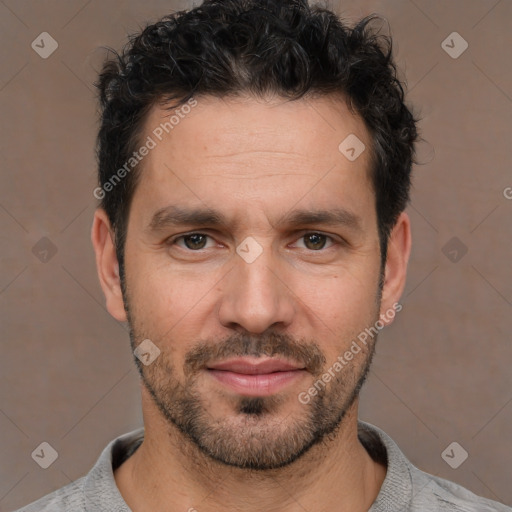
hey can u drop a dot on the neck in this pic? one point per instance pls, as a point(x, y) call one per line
point(168, 472)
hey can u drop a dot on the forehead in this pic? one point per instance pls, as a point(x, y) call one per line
point(234, 150)
point(234, 126)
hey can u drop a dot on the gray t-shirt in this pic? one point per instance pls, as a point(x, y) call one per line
point(405, 488)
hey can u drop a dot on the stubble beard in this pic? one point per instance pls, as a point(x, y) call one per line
point(254, 436)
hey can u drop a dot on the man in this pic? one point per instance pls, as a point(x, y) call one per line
point(254, 167)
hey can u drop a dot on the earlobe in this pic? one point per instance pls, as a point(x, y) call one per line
point(102, 238)
point(399, 249)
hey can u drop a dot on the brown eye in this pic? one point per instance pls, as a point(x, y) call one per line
point(195, 241)
point(315, 241)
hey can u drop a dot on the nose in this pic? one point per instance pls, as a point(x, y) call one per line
point(255, 296)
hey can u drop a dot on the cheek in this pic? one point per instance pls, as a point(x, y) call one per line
point(340, 296)
point(159, 302)
point(338, 309)
point(167, 304)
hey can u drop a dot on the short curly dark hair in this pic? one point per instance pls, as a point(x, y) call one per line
point(260, 47)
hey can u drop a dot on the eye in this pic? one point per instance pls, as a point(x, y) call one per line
point(316, 241)
point(192, 241)
point(195, 242)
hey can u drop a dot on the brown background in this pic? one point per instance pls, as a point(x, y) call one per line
point(442, 372)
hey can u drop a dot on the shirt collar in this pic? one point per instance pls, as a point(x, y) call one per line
point(395, 493)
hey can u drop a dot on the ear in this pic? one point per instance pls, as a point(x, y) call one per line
point(399, 249)
point(102, 237)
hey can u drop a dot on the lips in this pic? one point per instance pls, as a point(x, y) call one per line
point(249, 366)
point(256, 376)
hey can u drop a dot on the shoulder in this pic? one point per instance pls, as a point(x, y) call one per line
point(96, 491)
point(70, 498)
point(407, 488)
point(446, 496)
point(75, 497)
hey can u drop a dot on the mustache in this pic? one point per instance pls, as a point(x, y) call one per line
point(305, 353)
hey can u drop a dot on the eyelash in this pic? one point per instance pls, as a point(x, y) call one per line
point(173, 241)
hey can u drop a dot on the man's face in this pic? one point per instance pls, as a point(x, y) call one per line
point(250, 312)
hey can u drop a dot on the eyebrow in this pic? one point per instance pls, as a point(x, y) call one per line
point(176, 216)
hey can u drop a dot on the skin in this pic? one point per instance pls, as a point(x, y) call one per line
point(254, 161)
